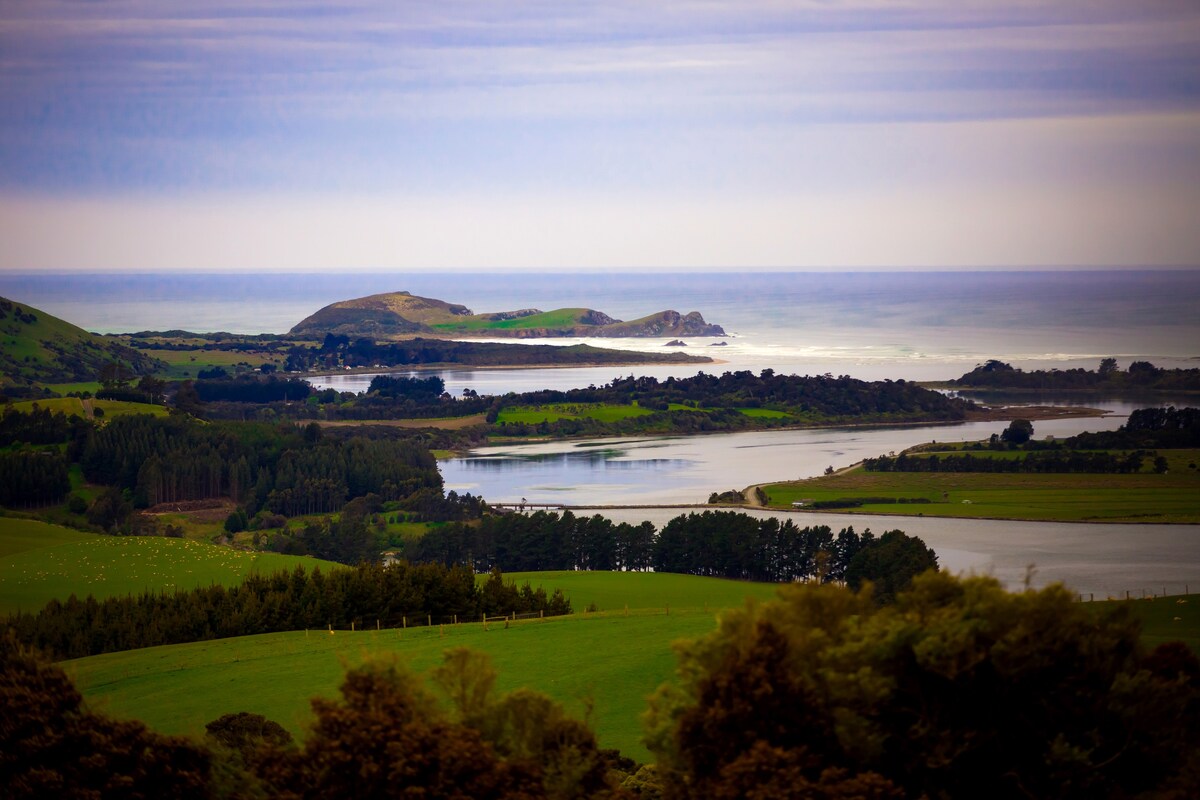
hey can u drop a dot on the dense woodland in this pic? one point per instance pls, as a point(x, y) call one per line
point(1142, 376)
point(366, 595)
point(714, 543)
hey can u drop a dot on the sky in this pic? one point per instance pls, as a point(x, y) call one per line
point(758, 134)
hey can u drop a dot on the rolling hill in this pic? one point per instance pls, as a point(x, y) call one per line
point(397, 313)
point(36, 347)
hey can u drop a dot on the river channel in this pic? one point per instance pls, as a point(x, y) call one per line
point(686, 469)
point(1093, 558)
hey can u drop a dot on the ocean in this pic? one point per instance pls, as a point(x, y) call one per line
point(872, 325)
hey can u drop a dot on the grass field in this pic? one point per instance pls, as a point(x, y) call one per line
point(39, 562)
point(186, 363)
point(613, 659)
point(1142, 497)
point(558, 318)
point(603, 412)
point(73, 405)
point(764, 413)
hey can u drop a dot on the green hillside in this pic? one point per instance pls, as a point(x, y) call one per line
point(394, 313)
point(38, 347)
point(610, 658)
point(40, 562)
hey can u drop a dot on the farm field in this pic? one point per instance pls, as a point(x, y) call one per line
point(558, 318)
point(186, 363)
point(73, 405)
point(1141, 497)
point(612, 659)
point(607, 659)
point(40, 562)
point(603, 412)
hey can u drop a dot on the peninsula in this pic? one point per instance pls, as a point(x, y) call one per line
point(398, 314)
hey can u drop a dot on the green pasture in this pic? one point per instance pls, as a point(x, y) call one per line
point(607, 660)
point(187, 363)
point(20, 535)
point(558, 318)
point(611, 659)
point(764, 413)
point(67, 388)
point(1142, 497)
point(73, 405)
point(40, 562)
point(613, 591)
point(1164, 619)
point(552, 412)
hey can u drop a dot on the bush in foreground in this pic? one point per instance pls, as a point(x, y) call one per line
point(959, 689)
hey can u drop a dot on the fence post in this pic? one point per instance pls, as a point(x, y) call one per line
point(1126, 594)
point(352, 626)
point(428, 620)
point(1091, 597)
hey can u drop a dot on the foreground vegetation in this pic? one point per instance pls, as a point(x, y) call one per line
point(957, 689)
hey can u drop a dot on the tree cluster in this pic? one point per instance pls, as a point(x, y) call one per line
point(1041, 462)
point(958, 689)
point(31, 478)
point(391, 596)
point(713, 543)
point(283, 469)
point(53, 746)
point(1141, 376)
point(338, 351)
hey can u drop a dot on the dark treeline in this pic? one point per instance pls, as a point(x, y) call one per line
point(339, 351)
point(712, 543)
point(712, 401)
point(816, 394)
point(1141, 376)
point(39, 426)
point(1146, 428)
point(30, 478)
point(394, 595)
point(282, 468)
point(254, 390)
point(1043, 462)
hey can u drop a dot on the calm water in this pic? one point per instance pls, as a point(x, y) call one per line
point(672, 470)
point(1104, 559)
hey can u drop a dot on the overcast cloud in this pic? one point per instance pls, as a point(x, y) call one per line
point(280, 135)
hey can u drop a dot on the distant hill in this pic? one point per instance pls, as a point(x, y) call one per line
point(38, 347)
point(397, 313)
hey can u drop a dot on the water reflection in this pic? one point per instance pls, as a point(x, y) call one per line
point(674, 470)
point(1100, 559)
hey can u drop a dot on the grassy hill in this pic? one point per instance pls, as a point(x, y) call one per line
point(38, 347)
point(395, 313)
point(608, 661)
point(40, 562)
point(609, 658)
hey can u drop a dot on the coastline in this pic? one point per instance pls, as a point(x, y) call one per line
point(460, 366)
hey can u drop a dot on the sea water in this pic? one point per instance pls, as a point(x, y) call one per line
point(912, 325)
